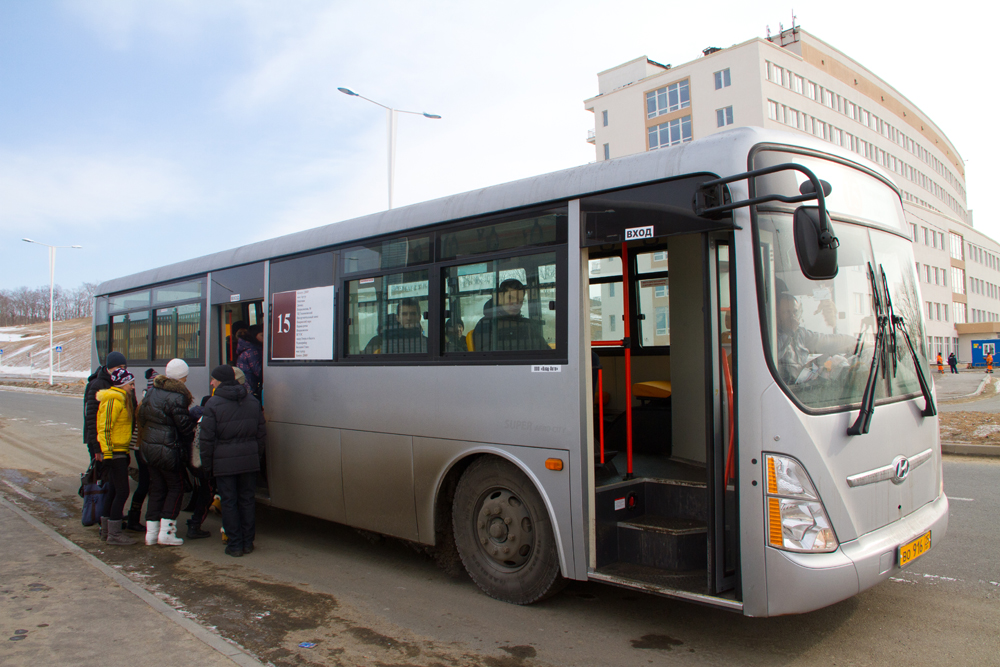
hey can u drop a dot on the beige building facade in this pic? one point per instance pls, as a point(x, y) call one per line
point(796, 82)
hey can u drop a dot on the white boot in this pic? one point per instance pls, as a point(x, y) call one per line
point(152, 532)
point(168, 533)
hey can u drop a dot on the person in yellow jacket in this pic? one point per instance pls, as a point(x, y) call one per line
point(115, 421)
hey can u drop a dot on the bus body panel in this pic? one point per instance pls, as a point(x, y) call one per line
point(830, 456)
point(439, 415)
point(799, 582)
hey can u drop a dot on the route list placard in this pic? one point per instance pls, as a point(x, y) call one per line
point(302, 324)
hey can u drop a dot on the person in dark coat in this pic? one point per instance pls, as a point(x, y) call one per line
point(251, 358)
point(100, 380)
point(503, 327)
point(232, 440)
point(165, 434)
point(953, 362)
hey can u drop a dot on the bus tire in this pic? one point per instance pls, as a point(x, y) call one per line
point(503, 533)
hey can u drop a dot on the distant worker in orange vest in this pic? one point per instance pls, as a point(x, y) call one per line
point(989, 362)
point(940, 364)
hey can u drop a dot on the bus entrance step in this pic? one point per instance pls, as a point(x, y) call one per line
point(666, 543)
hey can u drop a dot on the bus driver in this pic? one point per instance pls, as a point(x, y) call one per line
point(798, 346)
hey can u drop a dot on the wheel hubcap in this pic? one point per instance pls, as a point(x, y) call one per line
point(505, 529)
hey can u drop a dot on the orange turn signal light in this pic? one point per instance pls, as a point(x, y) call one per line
point(554, 464)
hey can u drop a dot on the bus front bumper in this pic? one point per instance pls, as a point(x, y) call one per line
point(798, 582)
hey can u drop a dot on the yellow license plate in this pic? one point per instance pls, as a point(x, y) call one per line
point(912, 550)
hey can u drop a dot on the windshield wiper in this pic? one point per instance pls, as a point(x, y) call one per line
point(863, 422)
point(885, 353)
point(895, 323)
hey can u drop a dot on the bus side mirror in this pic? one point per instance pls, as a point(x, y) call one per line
point(816, 249)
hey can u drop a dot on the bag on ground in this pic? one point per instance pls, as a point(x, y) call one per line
point(94, 492)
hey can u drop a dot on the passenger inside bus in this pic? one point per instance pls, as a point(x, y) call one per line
point(454, 335)
point(503, 327)
point(402, 333)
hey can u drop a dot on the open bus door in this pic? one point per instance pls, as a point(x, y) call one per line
point(665, 506)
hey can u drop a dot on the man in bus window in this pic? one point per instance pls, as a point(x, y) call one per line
point(503, 327)
point(402, 333)
point(798, 346)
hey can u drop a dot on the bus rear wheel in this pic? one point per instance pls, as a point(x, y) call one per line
point(503, 533)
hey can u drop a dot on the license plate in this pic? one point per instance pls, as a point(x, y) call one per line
point(912, 550)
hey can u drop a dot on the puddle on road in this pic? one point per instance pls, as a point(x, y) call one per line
point(267, 617)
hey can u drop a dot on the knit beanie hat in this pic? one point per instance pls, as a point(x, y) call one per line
point(224, 373)
point(114, 359)
point(121, 377)
point(177, 369)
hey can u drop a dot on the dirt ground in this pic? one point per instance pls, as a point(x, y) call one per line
point(978, 428)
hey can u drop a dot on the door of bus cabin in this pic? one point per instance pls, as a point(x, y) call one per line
point(237, 297)
point(659, 328)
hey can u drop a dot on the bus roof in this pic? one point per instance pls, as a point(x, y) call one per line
point(723, 154)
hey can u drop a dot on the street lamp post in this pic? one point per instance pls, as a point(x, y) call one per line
point(391, 118)
point(52, 285)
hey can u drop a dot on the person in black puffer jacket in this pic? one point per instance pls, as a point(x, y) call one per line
point(231, 442)
point(165, 433)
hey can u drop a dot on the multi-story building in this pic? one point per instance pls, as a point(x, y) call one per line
point(795, 81)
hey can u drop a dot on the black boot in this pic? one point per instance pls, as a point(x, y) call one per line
point(132, 521)
point(195, 532)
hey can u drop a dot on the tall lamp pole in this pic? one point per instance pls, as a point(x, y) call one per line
point(52, 285)
point(392, 131)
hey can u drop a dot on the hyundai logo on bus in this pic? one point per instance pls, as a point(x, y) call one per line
point(639, 233)
point(902, 469)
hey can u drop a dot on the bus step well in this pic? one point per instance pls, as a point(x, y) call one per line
point(659, 524)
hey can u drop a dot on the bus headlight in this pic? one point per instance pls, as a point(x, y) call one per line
point(796, 518)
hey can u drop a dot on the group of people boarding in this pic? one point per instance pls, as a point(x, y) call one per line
point(219, 440)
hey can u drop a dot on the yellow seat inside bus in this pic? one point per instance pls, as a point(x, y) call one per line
point(651, 389)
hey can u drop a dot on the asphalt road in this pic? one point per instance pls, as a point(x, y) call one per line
point(366, 601)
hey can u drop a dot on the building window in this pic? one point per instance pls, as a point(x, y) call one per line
point(661, 321)
point(660, 291)
point(724, 117)
point(667, 99)
point(670, 133)
point(722, 79)
point(913, 232)
point(607, 151)
point(605, 116)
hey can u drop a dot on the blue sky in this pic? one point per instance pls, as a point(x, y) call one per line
point(151, 132)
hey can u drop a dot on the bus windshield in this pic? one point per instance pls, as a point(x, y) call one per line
point(821, 333)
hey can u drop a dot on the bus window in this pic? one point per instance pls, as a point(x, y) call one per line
point(606, 305)
point(507, 304)
point(386, 314)
point(654, 298)
point(178, 332)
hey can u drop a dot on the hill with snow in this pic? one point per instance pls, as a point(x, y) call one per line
point(26, 349)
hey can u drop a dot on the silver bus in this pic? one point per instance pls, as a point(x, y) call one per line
point(493, 374)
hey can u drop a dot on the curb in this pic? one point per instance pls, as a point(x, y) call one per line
point(969, 449)
point(231, 651)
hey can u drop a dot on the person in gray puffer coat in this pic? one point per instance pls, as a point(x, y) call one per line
point(165, 433)
point(231, 441)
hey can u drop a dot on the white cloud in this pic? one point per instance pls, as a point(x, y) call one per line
point(47, 188)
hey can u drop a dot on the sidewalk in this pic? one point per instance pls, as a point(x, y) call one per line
point(60, 605)
point(964, 384)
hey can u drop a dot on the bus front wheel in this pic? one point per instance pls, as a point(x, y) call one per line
point(503, 533)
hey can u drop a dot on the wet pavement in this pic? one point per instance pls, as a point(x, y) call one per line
point(60, 605)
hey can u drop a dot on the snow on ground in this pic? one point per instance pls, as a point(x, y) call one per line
point(41, 371)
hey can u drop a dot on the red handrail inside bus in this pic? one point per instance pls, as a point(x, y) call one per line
point(607, 343)
point(730, 457)
point(600, 404)
point(626, 280)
